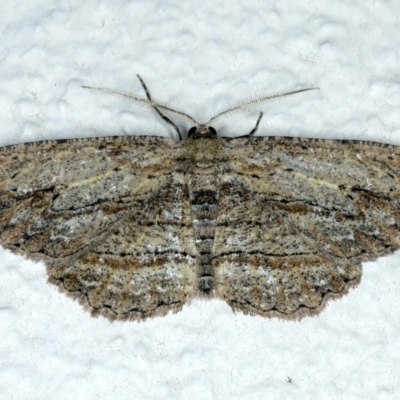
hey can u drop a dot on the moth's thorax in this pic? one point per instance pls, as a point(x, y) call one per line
point(203, 152)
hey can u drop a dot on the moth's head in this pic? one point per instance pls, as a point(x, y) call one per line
point(202, 131)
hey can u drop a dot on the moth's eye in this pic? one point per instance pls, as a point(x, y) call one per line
point(192, 131)
point(212, 131)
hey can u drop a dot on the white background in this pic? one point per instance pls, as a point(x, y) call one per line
point(200, 56)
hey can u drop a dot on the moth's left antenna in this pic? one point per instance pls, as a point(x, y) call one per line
point(155, 108)
point(148, 102)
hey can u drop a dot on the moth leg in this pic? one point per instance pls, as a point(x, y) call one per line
point(165, 118)
point(254, 130)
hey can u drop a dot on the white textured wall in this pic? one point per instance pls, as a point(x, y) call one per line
point(199, 56)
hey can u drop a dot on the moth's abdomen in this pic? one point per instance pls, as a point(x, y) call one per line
point(204, 195)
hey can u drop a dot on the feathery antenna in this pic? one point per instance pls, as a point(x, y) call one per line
point(243, 105)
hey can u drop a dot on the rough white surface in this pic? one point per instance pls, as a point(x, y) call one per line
point(200, 57)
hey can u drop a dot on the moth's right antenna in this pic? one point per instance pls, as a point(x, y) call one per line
point(252, 102)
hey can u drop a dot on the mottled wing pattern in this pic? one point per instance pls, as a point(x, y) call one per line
point(298, 216)
point(110, 217)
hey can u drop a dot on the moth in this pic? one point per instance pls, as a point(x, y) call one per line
point(137, 226)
